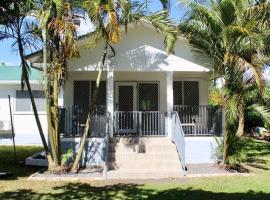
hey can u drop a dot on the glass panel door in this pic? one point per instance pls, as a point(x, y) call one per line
point(125, 118)
point(149, 104)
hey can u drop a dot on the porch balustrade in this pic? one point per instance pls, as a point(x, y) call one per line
point(195, 121)
point(200, 120)
point(139, 123)
point(73, 118)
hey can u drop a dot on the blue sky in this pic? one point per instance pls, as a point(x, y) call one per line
point(10, 56)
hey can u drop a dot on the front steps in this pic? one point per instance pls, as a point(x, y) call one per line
point(143, 158)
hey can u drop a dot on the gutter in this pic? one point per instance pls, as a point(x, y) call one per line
point(16, 82)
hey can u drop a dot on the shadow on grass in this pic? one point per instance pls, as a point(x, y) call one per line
point(17, 167)
point(256, 153)
point(130, 191)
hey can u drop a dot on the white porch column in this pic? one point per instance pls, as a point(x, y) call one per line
point(109, 100)
point(169, 102)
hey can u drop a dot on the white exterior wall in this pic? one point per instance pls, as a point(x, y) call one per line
point(142, 49)
point(200, 150)
point(26, 131)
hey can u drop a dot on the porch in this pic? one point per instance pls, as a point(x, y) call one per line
point(139, 104)
point(149, 112)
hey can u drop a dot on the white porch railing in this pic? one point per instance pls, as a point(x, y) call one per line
point(178, 137)
point(72, 122)
point(200, 120)
point(139, 123)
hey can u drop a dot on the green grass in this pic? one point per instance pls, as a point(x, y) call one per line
point(217, 188)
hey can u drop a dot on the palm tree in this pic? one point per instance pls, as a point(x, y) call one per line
point(59, 44)
point(15, 26)
point(234, 34)
point(116, 14)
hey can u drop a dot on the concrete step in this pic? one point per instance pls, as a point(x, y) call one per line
point(137, 140)
point(142, 148)
point(154, 156)
point(143, 174)
point(143, 158)
point(146, 165)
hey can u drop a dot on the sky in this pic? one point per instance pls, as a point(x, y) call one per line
point(10, 55)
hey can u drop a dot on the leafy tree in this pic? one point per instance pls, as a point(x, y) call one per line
point(15, 26)
point(58, 30)
point(235, 35)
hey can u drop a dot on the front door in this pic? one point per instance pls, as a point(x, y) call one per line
point(125, 104)
point(126, 96)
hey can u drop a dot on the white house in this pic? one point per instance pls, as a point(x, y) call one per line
point(24, 122)
point(142, 95)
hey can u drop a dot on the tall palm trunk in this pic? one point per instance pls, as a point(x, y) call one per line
point(47, 89)
point(226, 142)
point(28, 86)
point(241, 122)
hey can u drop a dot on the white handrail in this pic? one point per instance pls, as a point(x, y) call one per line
point(178, 137)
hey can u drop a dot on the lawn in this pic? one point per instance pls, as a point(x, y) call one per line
point(220, 188)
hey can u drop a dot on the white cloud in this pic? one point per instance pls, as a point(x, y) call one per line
point(86, 26)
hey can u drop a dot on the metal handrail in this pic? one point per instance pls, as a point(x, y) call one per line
point(178, 137)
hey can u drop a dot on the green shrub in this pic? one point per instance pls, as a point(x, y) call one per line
point(236, 151)
point(65, 158)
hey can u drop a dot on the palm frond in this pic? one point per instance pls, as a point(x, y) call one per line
point(162, 23)
point(207, 16)
point(260, 12)
point(263, 111)
point(231, 108)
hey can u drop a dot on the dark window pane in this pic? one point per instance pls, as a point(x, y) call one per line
point(148, 97)
point(125, 98)
point(177, 93)
point(191, 93)
point(81, 93)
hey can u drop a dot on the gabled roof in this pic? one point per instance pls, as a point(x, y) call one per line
point(13, 73)
point(182, 60)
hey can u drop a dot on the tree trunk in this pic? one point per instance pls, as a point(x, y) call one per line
point(55, 118)
point(47, 87)
point(241, 121)
point(28, 86)
point(87, 127)
point(74, 167)
point(226, 146)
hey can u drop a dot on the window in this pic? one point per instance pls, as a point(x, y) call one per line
point(148, 96)
point(83, 94)
point(191, 93)
point(23, 103)
point(186, 93)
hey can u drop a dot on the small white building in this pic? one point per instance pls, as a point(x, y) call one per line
point(142, 94)
point(26, 131)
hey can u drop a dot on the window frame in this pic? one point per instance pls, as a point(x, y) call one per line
point(183, 93)
point(29, 112)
